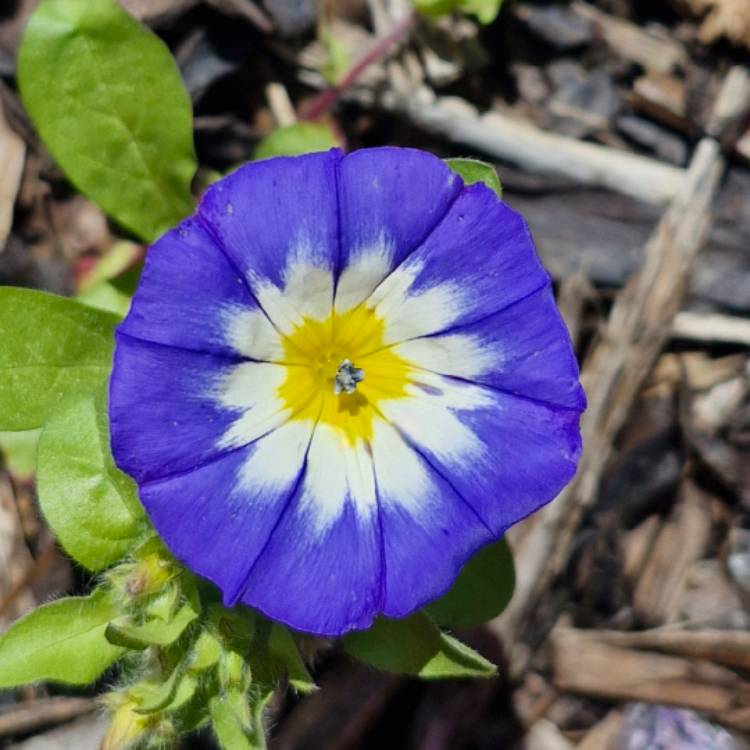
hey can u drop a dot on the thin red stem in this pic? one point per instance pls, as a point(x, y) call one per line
point(326, 99)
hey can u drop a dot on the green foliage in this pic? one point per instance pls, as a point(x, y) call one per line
point(19, 452)
point(169, 695)
point(481, 592)
point(337, 56)
point(415, 645)
point(107, 99)
point(88, 502)
point(234, 724)
point(300, 138)
point(274, 655)
point(106, 296)
point(486, 11)
point(473, 170)
point(119, 258)
point(154, 632)
point(62, 641)
point(284, 651)
point(51, 347)
point(111, 283)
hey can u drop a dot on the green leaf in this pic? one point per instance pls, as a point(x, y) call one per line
point(187, 687)
point(283, 647)
point(121, 257)
point(473, 170)
point(274, 655)
point(482, 590)
point(206, 652)
point(435, 8)
point(415, 645)
point(338, 59)
point(19, 452)
point(486, 11)
point(170, 695)
point(62, 641)
point(154, 696)
point(88, 502)
point(107, 99)
point(51, 347)
point(124, 632)
point(300, 138)
point(110, 284)
point(106, 296)
point(234, 724)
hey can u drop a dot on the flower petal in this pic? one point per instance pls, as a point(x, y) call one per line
point(189, 296)
point(390, 200)
point(523, 349)
point(505, 455)
point(479, 260)
point(328, 533)
point(172, 410)
point(277, 222)
point(467, 418)
point(426, 525)
point(218, 517)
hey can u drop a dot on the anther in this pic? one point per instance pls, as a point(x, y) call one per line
point(347, 377)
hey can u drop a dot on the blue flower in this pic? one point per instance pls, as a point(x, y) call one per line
point(338, 380)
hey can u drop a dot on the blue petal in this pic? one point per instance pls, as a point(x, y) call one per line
point(186, 293)
point(482, 250)
point(219, 516)
point(271, 216)
point(325, 540)
point(390, 200)
point(163, 417)
point(505, 455)
point(428, 530)
point(524, 349)
point(326, 582)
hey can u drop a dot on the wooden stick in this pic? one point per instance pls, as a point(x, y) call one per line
point(516, 141)
point(584, 664)
point(280, 104)
point(639, 325)
point(538, 151)
point(22, 718)
point(654, 51)
point(712, 328)
point(728, 647)
point(12, 157)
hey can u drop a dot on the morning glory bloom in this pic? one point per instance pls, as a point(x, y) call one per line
point(338, 380)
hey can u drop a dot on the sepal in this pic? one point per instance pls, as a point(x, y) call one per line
point(416, 646)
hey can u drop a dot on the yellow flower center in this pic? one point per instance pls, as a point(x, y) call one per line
point(314, 354)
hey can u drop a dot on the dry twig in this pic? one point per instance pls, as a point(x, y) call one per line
point(22, 718)
point(585, 664)
point(639, 325)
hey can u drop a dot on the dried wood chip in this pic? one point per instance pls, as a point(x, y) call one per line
point(544, 735)
point(728, 647)
point(681, 541)
point(157, 11)
point(12, 157)
point(602, 734)
point(582, 664)
point(725, 18)
point(636, 546)
point(662, 97)
point(654, 50)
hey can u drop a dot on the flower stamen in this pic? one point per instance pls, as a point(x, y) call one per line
point(347, 377)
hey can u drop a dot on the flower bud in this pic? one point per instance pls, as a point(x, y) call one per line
point(126, 727)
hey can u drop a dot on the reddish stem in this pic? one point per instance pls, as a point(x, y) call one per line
point(326, 99)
